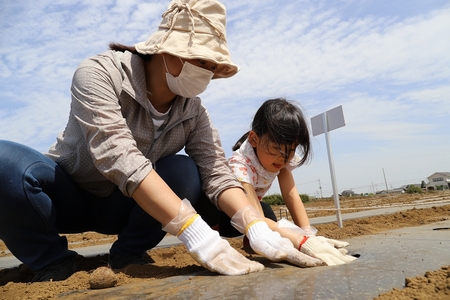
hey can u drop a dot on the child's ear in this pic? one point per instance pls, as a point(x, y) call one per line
point(253, 138)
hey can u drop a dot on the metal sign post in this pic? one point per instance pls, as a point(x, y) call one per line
point(324, 123)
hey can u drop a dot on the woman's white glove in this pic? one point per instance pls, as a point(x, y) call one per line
point(206, 246)
point(214, 253)
point(268, 243)
point(320, 248)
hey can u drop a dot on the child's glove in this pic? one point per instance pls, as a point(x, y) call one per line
point(311, 230)
point(271, 245)
point(206, 246)
point(334, 243)
point(317, 247)
point(268, 243)
point(306, 230)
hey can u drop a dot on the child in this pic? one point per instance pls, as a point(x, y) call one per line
point(278, 142)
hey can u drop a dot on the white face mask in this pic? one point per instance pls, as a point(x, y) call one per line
point(192, 80)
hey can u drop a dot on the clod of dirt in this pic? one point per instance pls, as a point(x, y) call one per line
point(102, 278)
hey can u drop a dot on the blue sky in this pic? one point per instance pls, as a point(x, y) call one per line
point(386, 62)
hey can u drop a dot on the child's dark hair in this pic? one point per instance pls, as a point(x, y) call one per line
point(282, 123)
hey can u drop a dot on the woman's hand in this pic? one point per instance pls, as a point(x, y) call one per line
point(206, 246)
point(214, 253)
point(180, 219)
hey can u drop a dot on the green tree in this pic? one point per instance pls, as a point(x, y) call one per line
point(277, 199)
point(423, 184)
point(413, 189)
point(305, 198)
point(274, 199)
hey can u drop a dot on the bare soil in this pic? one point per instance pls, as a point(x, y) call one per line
point(175, 260)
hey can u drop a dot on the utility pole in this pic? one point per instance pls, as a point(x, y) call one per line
point(385, 182)
point(320, 188)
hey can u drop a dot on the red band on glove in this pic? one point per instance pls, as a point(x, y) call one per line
point(305, 238)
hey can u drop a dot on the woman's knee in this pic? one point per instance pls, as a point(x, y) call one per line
point(17, 156)
point(268, 211)
point(176, 164)
point(15, 162)
point(181, 174)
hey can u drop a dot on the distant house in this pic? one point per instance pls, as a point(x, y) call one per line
point(348, 193)
point(438, 179)
point(399, 190)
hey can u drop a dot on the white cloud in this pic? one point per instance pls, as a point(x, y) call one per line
point(386, 62)
point(332, 54)
point(432, 101)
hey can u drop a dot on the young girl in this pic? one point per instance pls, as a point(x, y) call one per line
point(278, 142)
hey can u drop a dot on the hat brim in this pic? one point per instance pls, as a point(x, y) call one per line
point(179, 43)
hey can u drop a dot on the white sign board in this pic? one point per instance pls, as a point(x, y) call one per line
point(335, 119)
point(324, 123)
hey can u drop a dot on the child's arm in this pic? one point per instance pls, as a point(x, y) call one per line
point(292, 198)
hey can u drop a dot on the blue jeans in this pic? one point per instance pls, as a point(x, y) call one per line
point(38, 201)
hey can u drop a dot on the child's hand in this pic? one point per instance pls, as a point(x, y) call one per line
point(272, 246)
point(309, 231)
point(268, 243)
point(334, 243)
point(306, 230)
point(320, 248)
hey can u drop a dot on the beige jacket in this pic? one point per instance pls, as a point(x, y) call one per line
point(109, 142)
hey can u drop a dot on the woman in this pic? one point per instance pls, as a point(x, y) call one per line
point(114, 170)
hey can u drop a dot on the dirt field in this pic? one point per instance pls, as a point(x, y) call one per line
point(173, 261)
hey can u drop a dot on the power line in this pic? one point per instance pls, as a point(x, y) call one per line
point(305, 182)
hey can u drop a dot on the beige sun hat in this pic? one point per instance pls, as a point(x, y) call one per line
point(193, 29)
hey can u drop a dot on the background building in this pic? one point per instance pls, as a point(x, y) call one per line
point(438, 181)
